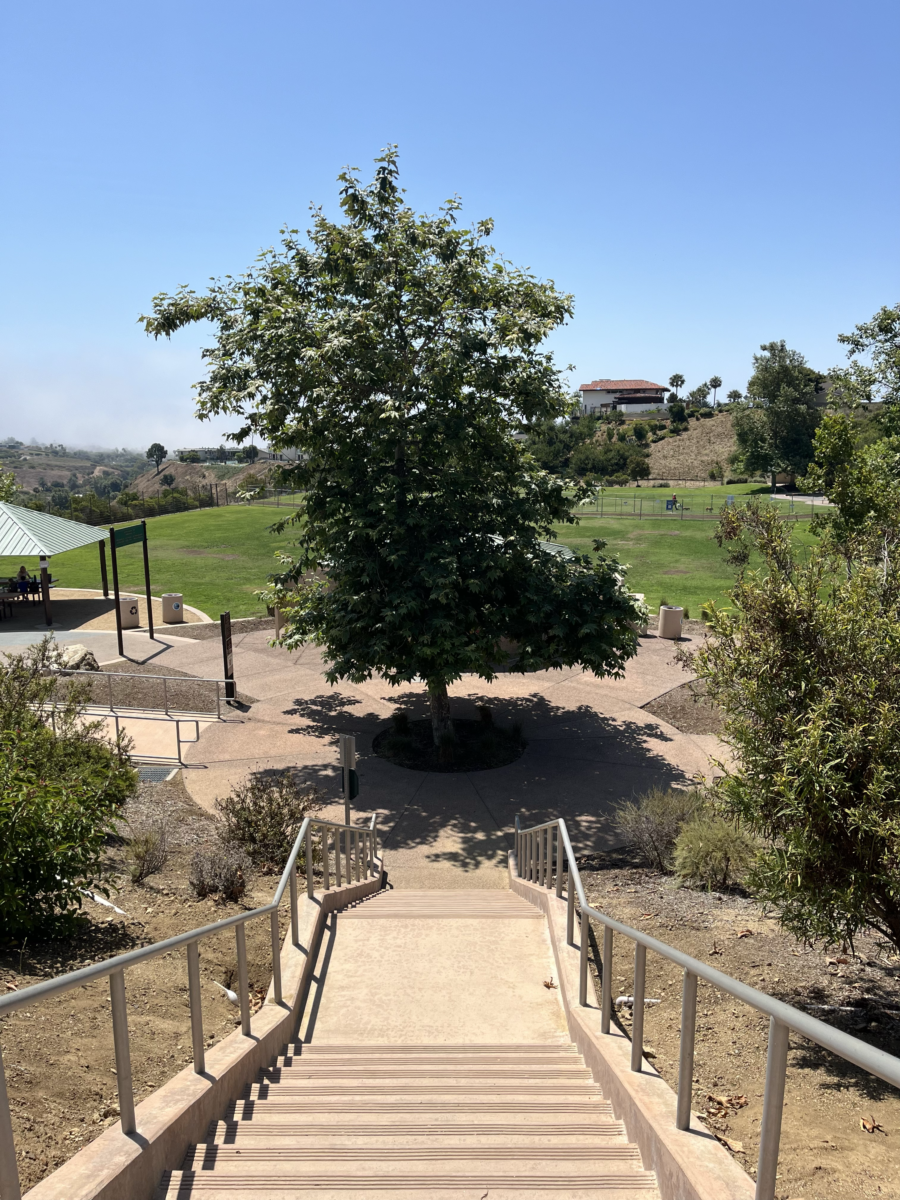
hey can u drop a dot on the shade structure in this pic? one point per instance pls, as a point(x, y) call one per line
point(24, 532)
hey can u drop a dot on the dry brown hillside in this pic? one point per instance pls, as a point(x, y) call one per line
point(193, 475)
point(688, 457)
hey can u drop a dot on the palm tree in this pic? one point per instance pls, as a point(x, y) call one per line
point(734, 395)
point(676, 382)
point(715, 383)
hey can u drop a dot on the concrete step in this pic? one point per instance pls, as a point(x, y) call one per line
point(562, 1048)
point(486, 1112)
point(262, 1130)
point(436, 905)
point(602, 1185)
point(360, 1071)
point(296, 1160)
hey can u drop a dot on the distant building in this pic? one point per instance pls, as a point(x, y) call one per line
point(628, 396)
point(210, 454)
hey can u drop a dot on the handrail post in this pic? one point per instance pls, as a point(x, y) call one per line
point(637, 1012)
point(243, 982)
point(773, 1108)
point(559, 863)
point(295, 915)
point(570, 910)
point(9, 1171)
point(540, 858)
point(338, 876)
point(356, 854)
point(193, 963)
point(276, 956)
point(309, 858)
point(686, 1051)
point(583, 959)
point(606, 982)
point(348, 838)
point(123, 1052)
point(325, 860)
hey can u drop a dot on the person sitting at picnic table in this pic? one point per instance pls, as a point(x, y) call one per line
point(22, 580)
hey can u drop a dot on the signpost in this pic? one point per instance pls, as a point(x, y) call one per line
point(227, 655)
point(349, 778)
point(117, 539)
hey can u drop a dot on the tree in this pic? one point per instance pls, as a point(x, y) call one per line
point(735, 395)
point(167, 480)
point(249, 454)
point(698, 397)
point(402, 357)
point(676, 382)
point(879, 379)
point(158, 453)
point(677, 412)
point(8, 486)
point(639, 432)
point(774, 431)
point(715, 383)
point(804, 666)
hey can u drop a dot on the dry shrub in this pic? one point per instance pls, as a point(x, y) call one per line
point(263, 818)
point(221, 870)
point(713, 851)
point(148, 850)
point(652, 822)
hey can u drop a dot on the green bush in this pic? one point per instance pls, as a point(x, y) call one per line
point(263, 817)
point(713, 851)
point(652, 822)
point(60, 796)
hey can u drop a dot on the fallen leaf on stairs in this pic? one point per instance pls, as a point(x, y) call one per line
point(734, 1146)
point(548, 983)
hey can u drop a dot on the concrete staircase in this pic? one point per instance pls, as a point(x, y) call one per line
point(433, 1058)
point(354, 1121)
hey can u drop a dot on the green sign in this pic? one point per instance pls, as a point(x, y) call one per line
point(125, 537)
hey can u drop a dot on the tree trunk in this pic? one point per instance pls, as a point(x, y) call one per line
point(440, 711)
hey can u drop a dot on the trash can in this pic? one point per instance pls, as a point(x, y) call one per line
point(173, 608)
point(129, 613)
point(670, 621)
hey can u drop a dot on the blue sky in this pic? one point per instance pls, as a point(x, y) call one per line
point(703, 177)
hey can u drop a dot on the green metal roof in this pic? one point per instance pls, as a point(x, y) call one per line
point(25, 533)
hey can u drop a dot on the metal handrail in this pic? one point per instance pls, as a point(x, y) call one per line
point(164, 679)
point(359, 852)
point(535, 861)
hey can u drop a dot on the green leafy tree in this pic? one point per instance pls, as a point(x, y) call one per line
point(715, 383)
point(157, 453)
point(639, 432)
point(878, 377)
point(774, 431)
point(677, 412)
point(167, 480)
point(402, 356)
point(804, 666)
point(8, 486)
point(676, 383)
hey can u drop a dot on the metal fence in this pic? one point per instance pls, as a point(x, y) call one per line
point(356, 845)
point(641, 504)
point(544, 855)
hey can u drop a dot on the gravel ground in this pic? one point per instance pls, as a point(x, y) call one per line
point(688, 709)
point(208, 631)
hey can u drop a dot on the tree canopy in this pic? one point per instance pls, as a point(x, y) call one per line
point(774, 430)
point(157, 452)
point(405, 359)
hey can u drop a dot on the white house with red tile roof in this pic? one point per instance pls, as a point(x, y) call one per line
point(629, 396)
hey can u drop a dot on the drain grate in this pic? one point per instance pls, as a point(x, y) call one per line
point(153, 774)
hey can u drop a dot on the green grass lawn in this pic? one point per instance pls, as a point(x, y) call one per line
point(216, 556)
point(670, 559)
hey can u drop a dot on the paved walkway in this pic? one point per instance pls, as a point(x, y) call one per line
point(589, 746)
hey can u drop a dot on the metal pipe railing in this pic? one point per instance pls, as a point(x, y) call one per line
point(164, 679)
point(114, 969)
point(782, 1017)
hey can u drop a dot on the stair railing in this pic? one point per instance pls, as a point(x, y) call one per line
point(544, 855)
point(353, 849)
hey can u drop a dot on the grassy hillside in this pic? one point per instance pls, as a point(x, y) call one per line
point(192, 475)
point(216, 556)
point(690, 455)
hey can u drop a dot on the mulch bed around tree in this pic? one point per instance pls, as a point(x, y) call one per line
point(479, 747)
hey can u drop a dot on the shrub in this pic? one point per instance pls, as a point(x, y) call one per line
point(149, 852)
point(60, 795)
point(652, 822)
point(221, 871)
point(263, 817)
point(713, 851)
point(400, 721)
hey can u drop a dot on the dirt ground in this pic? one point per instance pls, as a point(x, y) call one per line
point(825, 1152)
point(58, 1054)
point(688, 709)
